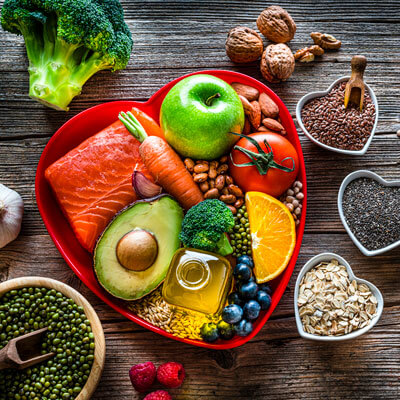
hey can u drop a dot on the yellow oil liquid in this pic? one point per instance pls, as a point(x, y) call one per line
point(198, 281)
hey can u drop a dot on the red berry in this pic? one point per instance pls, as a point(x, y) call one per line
point(143, 376)
point(158, 395)
point(171, 374)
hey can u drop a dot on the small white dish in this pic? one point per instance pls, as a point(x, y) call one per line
point(305, 99)
point(375, 291)
point(351, 177)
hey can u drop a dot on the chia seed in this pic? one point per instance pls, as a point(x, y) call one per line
point(326, 119)
point(372, 212)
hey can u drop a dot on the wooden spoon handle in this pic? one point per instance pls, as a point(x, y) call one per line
point(5, 361)
point(358, 64)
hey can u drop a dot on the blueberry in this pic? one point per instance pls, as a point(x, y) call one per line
point(248, 290)
point(209, 332)
point(245, 260)
point(251, 310)
point(264, 299)
point(244, 328)
point(242, 272)
point(232, 314)
point(226, 331)
point(266, 288)
point(234, 298)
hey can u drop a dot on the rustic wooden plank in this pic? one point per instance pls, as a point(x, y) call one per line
point(177, 37)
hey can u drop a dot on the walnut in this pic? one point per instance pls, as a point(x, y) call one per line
point(277, 63)
point(276, 24)
point(243, 45)
point(308, 54)
point(327, 42)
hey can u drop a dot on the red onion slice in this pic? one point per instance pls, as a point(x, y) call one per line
point(143, 186)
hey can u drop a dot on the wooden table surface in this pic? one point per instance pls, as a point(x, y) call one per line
point(172, 38)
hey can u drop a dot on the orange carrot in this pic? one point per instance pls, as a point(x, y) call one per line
point(150, 126)
point(164, 164)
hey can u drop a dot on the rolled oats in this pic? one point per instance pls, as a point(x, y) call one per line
point(332, 305)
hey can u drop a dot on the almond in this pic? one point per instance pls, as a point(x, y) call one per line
point(246, 105)
point(273, 124)
point(249, 92)
point(268, 106)
point(247, 127)
point(255, 115)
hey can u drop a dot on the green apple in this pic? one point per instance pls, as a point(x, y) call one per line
point(198, 114)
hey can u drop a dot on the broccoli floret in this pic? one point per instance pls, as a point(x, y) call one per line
point(68, 41)
point(204, 227)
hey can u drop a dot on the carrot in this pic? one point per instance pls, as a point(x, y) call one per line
point(164, 164)
point(148, 123)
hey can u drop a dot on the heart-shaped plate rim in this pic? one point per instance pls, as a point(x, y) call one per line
point(91, 121)
point(363, 173)
point(306, 98)
point(376, 292)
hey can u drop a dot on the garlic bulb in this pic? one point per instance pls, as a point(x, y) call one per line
point(11, 210)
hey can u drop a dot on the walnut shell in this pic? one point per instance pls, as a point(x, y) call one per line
point(277, 63)
point(243, 45)
point(276, 24)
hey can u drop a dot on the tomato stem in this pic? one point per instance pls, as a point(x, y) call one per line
point(262, 160)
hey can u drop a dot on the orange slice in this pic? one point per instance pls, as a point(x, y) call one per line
point(273, 234)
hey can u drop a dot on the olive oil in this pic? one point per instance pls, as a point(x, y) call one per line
point(198, 281)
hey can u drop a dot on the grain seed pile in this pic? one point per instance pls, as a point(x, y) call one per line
point(159, 313)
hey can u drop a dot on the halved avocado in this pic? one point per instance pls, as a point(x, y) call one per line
point(161, 217)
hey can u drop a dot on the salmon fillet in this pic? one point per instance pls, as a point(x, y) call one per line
point(94, 181)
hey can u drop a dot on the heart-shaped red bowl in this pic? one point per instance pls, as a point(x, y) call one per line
point(91, 121)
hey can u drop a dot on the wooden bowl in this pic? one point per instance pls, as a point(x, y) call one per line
point(97, 329)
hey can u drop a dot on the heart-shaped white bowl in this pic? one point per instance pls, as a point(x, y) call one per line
point(305, 99)
point(351, 177)
point(374, 290)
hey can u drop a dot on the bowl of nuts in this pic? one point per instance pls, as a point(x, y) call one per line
point(331, 303)
point(324, 119)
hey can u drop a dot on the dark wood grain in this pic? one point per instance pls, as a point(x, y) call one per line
point(176, 37)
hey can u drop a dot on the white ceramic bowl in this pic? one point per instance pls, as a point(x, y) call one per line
point(305, 99)
point(328, 257)
point(351, 177)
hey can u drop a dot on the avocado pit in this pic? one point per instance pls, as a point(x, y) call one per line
point(137, 250)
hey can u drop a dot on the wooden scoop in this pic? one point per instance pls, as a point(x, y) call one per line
point(355, 87)
point(24, 351)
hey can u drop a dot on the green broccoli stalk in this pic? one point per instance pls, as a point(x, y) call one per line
point(204, 227)
point(68, 41)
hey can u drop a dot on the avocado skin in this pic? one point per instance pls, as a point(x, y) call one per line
point(160, 215)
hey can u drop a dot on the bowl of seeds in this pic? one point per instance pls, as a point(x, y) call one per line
point(326, 122)
point(369, 209)
point(74, 334)
point(331, 303)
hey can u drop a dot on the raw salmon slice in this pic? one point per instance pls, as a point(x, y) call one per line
point(94, 181)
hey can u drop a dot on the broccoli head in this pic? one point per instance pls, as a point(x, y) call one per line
point(68, 41)
point(204, 227)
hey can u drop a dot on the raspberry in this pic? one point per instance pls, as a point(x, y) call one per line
point(143, 376)
point(158, 395)
point(171, 374)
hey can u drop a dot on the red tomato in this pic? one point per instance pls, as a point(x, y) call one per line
point(264, 173)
